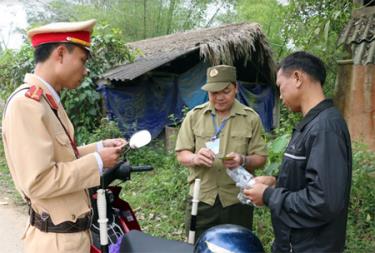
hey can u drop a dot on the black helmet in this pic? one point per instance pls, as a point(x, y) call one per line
point(228, 238)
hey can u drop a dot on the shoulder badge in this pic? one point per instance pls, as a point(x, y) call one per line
point(201, 106)
point(51, 101)
point(247, 108)
point(35, 93)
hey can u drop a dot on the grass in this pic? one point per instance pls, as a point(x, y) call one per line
point(158, 197)
point(6, 182)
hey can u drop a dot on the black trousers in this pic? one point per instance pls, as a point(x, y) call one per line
point(209, 216)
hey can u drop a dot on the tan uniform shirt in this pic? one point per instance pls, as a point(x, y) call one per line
point(241, 134)
point(44, 167)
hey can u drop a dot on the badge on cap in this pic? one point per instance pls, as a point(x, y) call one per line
point(214, 72)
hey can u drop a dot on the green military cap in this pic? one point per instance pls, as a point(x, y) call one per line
point(219, 77)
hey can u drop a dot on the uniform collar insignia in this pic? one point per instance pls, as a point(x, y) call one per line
point(51, 101)
point(34, 92)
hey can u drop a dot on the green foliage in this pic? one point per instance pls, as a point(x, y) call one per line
point(314, 26)
point(6, 182)
point(269, 14)
point(361, 220)
point(263, 227)
point(84, 104)
point(136, 19)
point(275, 148)
point(174, 121)
point(158, 196)
point(106, 130)
point(309, 25)
point(13, 67)
point(83, 107)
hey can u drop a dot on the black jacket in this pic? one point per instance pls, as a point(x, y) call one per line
point(309, 205)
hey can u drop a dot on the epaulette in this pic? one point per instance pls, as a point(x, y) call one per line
point(34, 92)
point(251, 110)
point(247, 108)
point(51, 101)
point(201, 106)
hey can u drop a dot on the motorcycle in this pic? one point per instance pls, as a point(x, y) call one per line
point(119, 226)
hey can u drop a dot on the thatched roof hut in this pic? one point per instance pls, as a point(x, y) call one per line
point(173, 67)
point(234, 44)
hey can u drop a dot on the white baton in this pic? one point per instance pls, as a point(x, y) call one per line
point(194, 210)
point(102, 213)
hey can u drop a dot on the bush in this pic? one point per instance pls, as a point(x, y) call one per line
point(159, 198)
point(106, 130)
point(361, 220)
point(13, 67)
point(84, 104)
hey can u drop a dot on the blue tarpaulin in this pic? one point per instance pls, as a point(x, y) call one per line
point(147, 103)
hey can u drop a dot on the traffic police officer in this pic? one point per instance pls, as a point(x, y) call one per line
point(235, 131)
point(47, 167)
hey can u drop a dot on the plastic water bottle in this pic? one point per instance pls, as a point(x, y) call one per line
point(243, 180)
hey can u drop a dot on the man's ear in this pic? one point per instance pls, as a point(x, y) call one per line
point(59, 53)
point(298, 76)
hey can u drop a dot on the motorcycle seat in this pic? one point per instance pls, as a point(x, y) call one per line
point(138, 242)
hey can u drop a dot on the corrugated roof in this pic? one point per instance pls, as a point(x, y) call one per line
point(359, 36)
point(217, 45)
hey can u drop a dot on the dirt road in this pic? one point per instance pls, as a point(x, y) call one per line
point(12, 224)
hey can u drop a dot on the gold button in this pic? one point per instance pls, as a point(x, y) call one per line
point(73, 217)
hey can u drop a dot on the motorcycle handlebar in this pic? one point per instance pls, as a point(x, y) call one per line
point(122, 172)
point(142, 168)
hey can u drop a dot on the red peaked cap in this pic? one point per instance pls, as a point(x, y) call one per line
point(72, 32)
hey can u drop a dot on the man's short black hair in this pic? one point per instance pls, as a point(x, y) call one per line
point(306, 62)
point(43, 51)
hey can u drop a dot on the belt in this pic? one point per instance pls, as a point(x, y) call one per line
point(44, 223)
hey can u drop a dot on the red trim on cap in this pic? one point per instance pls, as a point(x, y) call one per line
point(43, 38)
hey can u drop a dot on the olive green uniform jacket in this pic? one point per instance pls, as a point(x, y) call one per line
point(241, 134)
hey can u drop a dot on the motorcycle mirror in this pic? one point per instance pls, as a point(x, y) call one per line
point(140, 139)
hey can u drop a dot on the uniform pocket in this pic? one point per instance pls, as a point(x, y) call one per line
point(201, 137)
point(240, 142)
point(63, 147)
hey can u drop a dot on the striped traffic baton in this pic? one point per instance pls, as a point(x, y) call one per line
point(194, 210)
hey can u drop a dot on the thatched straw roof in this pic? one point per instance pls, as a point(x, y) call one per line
point(219, 45)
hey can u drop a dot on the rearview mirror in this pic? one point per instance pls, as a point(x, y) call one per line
point(140, 139)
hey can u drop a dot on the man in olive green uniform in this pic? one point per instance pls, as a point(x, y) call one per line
point(47, 167)
point(220, 134)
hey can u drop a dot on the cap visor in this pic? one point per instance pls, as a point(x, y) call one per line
point(213, 87)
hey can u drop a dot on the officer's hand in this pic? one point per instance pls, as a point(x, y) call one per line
point(118, 142)
point(110, 156)
point(255, 193)
point(232, 160)
point(267, 180)
point(204, 157)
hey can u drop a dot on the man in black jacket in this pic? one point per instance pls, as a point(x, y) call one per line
point(309, 200)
